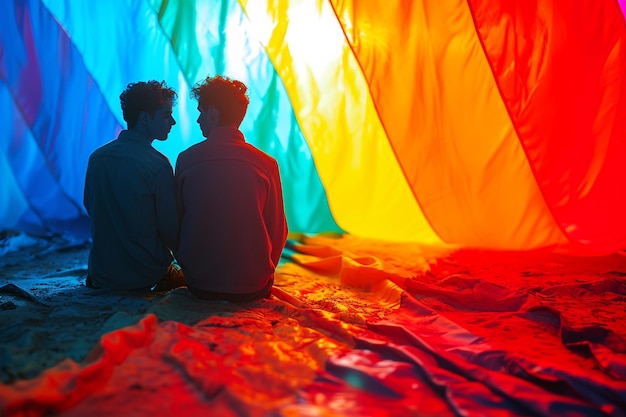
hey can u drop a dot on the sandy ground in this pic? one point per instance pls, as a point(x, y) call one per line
point(354, 327)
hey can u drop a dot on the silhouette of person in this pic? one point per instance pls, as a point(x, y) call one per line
point(230, 202)
point(129, 196)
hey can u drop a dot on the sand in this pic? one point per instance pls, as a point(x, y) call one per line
point(354, 327)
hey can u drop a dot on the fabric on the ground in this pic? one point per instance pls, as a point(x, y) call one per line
point(353, 327)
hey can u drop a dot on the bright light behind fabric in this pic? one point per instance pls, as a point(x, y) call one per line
point(476, 123)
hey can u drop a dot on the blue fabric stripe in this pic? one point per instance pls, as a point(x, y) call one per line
point(60, 110)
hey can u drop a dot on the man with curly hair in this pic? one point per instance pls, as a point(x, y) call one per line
point(230, 202)
point(129, 196)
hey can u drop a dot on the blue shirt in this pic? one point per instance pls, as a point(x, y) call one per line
point(129, 196)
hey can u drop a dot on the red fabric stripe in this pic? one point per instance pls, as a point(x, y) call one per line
point(560, 70)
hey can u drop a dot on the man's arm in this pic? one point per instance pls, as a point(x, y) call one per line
point(87, 187)
point(275, 216)
point(178, 191)
point(165, 205)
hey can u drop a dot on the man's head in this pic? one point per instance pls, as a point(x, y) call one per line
point(221, 102)
point(147, 108)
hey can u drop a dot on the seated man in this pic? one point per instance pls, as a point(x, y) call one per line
point(129, 196)
point(230, 202)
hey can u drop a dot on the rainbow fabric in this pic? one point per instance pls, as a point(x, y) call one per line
point(478, 123)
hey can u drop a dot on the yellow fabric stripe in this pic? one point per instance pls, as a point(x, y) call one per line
point(367, 191)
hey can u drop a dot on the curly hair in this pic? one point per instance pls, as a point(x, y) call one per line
point(148, 96)
point(228, 96)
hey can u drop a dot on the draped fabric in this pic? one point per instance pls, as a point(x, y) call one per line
point(478, 123)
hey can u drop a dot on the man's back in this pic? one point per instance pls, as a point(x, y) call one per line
point(233, 224)
point(129, 195)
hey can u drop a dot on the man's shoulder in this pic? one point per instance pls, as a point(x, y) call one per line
point(141, 157)
point(191, 149)
point(261, 155)
point(248, 152)
point(104, 148)
point(188, 154)
point(104, 152)
point(207, 151)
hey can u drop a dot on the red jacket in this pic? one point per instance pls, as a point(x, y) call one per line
point(231, 212)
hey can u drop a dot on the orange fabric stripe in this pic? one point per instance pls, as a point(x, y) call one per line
point(446, 122)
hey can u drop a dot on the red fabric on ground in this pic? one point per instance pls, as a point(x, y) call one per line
point(359, 327)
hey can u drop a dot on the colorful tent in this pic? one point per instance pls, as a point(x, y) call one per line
point(479, 123)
